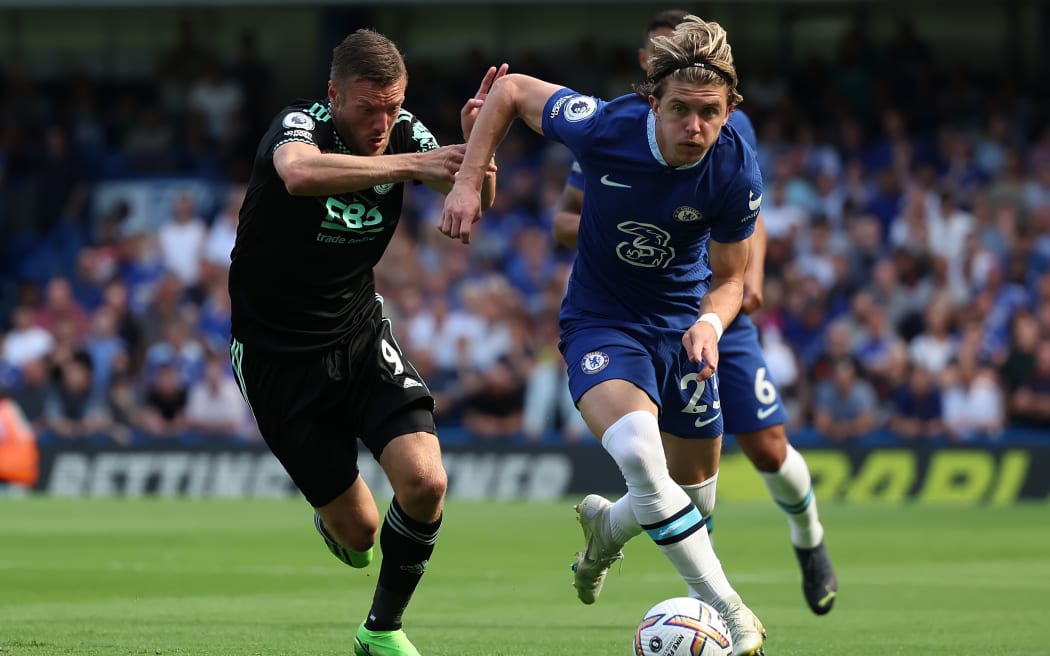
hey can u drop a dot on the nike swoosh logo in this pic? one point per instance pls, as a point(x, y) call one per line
point(765, 412)
point(827, 599)
point(609, 183)
point(700, 423)
point(752, 202)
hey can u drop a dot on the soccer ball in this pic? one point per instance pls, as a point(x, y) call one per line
point(682, 626)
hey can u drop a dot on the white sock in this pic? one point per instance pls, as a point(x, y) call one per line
point(663, 509)
point(623, 526)
point(792, 489)
point(703, 495)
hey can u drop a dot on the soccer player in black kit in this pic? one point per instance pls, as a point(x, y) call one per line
point(313, 354)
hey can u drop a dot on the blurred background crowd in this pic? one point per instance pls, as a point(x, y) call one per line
point(907, 201)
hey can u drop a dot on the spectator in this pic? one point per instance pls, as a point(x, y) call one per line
point(1019, 364)
point(1030, 402)
point(917, 409)
point(214, 406)
point(935, 347)
point(115, 301)
point(25, 341)
point(181, 241)
point(216, 99)
point(844, 407)
point(164, 411)
point(60, 305)
point(494, 401)
point(32, 391)
point(179, 350)
point(837, 345)
point(973, 401)
point(105, 346)
point(784, 370)
point(150, 143)
point(547, 403)
point(124, 407)
point(74, 408)
point(218, 243)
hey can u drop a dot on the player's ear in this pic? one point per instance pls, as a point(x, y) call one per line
point(643, 60)
point(333, 93)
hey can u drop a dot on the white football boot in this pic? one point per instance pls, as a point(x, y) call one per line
point(599, 553)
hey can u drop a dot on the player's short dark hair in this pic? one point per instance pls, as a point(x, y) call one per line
point(369, 55)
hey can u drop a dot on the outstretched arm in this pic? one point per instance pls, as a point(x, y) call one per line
point(468, 116)
point(512, 96)
point(307, 171)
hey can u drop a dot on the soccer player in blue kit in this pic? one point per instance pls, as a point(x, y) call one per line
point(663, 247)
point(752, 412)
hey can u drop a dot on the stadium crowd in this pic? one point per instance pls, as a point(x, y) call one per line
point(907, 202)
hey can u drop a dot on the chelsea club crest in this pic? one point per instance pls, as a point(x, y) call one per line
point(594, 362)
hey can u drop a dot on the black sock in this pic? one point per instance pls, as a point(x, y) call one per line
point(406, 545)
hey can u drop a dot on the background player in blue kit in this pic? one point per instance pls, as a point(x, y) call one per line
point(751, 411)
point(663, 237)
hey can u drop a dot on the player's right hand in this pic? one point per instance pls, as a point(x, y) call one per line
point(701, 345)
point(441, 164)
point(461, 209)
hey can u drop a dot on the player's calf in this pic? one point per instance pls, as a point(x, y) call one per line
point(357, 559)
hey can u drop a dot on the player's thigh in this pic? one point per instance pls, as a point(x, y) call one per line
point(604, 404)
point(690, 460)
point(610, 375)
point(298, 403)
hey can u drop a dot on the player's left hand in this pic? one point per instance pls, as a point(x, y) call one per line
point(701, 345)
point(469, 114)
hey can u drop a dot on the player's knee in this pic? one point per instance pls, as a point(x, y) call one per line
point(423, 492)
point(766, 448)
point(634, 443)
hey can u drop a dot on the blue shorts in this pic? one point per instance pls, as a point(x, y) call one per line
point(752, 401)
point(653, 359)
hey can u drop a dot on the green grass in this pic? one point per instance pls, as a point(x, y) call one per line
point(154, 577)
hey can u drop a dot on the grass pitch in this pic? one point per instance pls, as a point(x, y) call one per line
point(250, 578)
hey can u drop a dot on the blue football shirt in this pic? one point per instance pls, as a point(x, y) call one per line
point(645, 225)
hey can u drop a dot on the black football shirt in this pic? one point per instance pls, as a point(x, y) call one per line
point(301, 276)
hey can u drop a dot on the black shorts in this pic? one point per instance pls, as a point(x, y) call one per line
point(312, 408)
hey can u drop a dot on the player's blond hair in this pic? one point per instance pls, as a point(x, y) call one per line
point(697, 52)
